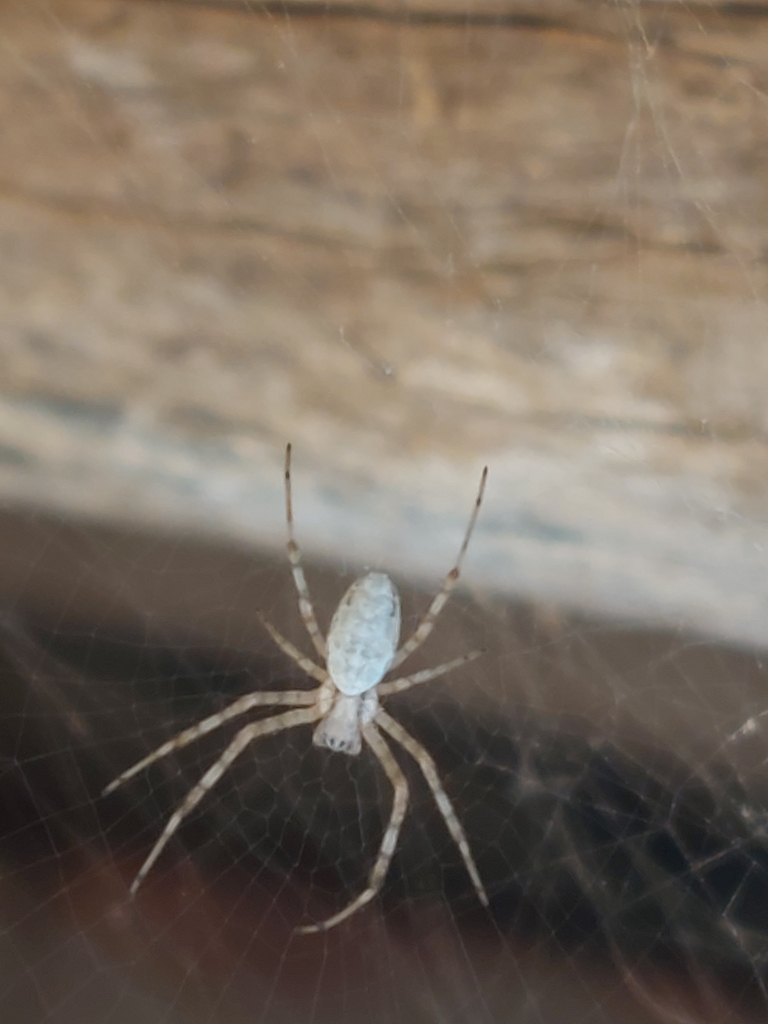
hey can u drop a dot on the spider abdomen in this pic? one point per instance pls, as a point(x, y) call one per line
point(364, 633)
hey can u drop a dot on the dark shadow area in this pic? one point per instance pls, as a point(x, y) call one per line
point(628, 874)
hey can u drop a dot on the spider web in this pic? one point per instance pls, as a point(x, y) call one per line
point(627, 872)
point(611, 779)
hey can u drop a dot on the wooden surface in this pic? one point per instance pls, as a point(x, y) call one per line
point(413, 243)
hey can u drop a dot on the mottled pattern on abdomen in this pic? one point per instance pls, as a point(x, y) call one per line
point(364, 634)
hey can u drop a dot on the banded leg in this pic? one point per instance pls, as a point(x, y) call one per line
point(293, 652)
point(406, 682)
point(429, 771)
point(238, 707)
point(266, 727)
point(386, 758)
point(306, 608)
point(429, 618)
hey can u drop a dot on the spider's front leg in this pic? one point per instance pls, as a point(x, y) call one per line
point(266, 727)
point(386, 759)
point(236, 708)
point(429, 770)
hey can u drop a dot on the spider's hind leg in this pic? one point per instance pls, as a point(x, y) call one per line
point(306, 608)
point(427, 623)
point(294, 653)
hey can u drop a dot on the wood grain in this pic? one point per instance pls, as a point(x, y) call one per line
point(412, 246)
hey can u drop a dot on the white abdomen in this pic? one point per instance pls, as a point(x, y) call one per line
point(364, 633)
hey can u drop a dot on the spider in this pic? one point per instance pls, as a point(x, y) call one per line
point(360, 649)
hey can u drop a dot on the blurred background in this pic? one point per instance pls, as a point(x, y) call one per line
point(413, 239)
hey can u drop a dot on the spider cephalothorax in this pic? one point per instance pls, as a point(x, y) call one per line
point(361, 648)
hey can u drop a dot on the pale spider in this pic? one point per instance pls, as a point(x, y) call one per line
point(361, 648)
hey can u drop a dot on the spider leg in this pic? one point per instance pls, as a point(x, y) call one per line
point(238, 707)
point(406, 682)
point(429, 618)
point(306, 607)
point(286, 720)
point(378, 745)
point(293, 652)
point(429, 771)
